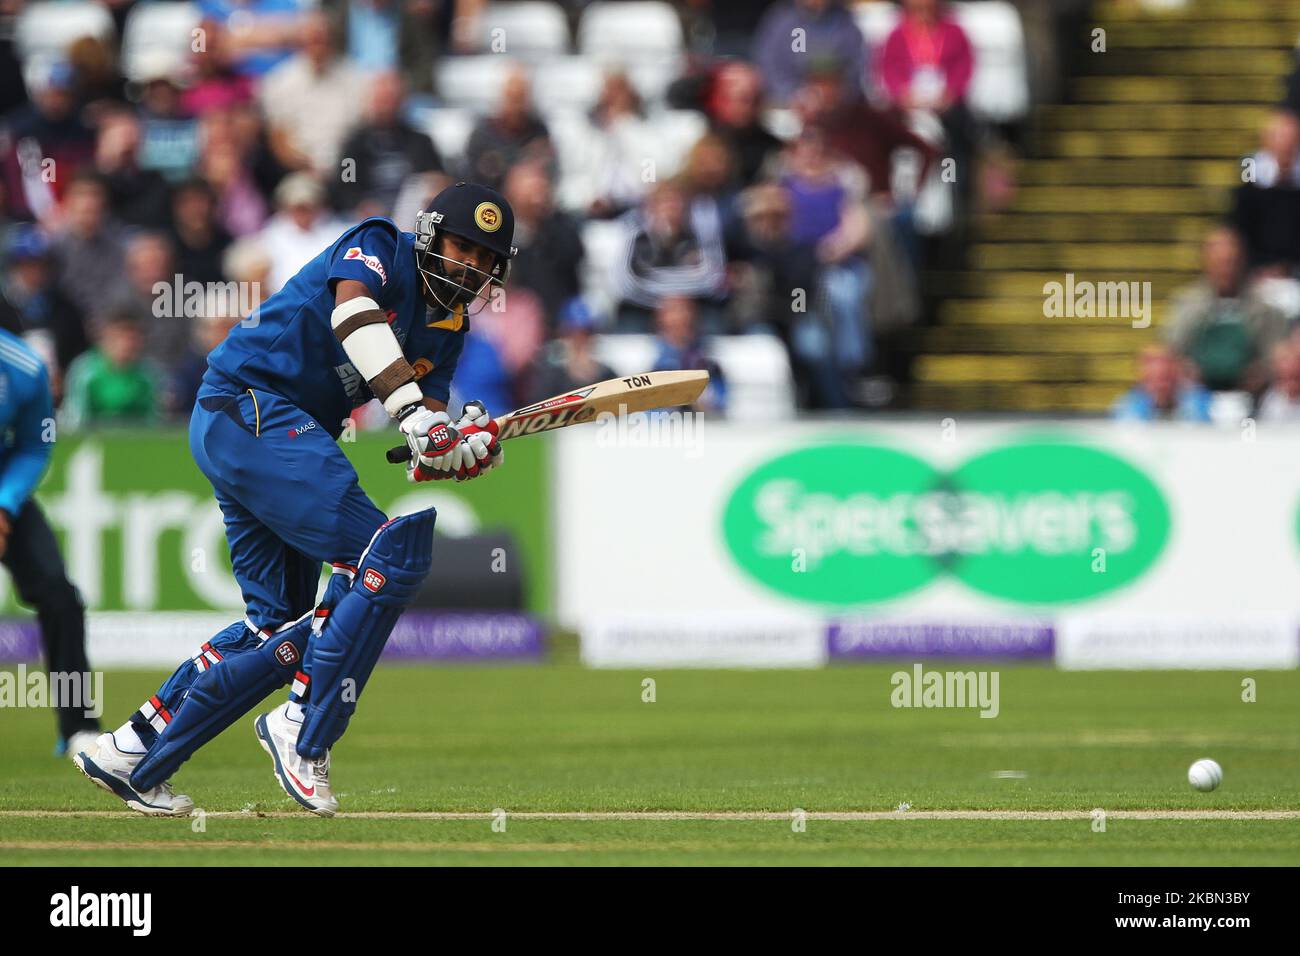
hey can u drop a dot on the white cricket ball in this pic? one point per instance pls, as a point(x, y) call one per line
point(1205, 774)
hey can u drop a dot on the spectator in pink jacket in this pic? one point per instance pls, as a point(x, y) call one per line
point(925, 67)
point(926, 62)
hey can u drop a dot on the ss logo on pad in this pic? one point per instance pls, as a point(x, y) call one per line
point(286, 653)
point(373, 580)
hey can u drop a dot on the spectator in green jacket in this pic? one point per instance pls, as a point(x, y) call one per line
point(112, 384)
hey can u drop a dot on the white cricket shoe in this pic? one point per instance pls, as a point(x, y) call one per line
point(306, 780)
point(108, 767)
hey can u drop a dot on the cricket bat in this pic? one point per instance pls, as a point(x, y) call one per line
point(635, 393)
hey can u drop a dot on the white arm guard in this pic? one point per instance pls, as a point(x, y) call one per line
point(368, 341)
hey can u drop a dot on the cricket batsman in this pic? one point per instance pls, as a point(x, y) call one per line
point(381, 313)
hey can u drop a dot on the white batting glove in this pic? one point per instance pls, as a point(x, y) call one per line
point(481, 452)
point(434, 443)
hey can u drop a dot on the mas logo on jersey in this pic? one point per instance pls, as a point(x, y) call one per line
point(371, 262)
point(286, 653)
point(488, 216)
point(295, 432)
point(373, 580)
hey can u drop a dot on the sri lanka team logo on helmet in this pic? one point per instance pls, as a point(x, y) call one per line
point(475, 214)
point(488, 216)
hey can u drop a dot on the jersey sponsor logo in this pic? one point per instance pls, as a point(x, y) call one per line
point(371, 262)
point(488, 216)
point(373, 580)
point(286, 653)
point(295, 432)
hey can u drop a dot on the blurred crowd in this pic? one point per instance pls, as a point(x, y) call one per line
point(1230, 345)
point(287, 123)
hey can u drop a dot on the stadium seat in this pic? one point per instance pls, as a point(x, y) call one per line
point(628, 31)
point(157, 29)
point(45, 30)
point(999, 89)
point(449, 128)
point(602, 244)
point(756, 368)
point(533, 30)
point(472, 82)
point(677, 131)
point(572, 83)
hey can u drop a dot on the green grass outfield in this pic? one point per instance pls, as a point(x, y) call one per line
point(732, 752)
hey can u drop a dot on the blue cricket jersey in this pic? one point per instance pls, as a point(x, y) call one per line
point(290, 350)
point(26, 411)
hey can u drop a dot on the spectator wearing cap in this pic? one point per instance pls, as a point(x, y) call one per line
point(679, 345)
point(1266, 211)
point(568, 361)
point(301, 227)
point(1220, 323)
point(512, 134)
point(876, 141)
point(672, 246)
point(198, 238)
point(1281, 401)
point(312, 101)
point(796, 36)
point(170, 135)
point(550, 246)
point(89, 248)
point(1165, 391)
point(136, 196)
point(773, 276)
point(385, 150)
point(45, 144)
point(112, 384)
point(32, 302)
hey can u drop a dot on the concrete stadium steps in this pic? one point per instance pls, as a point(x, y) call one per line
point(1077, 337)
point(990, 315)
point(1178, 89)
point(1174, 200)
point(1121, 186)
point(1222, 146)
point(1202, 117)
point(1148, 173)
point(1029, 285)
point(1081, 257)
point(1070, 397)
point(1084, 228)
point(1042, 369)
